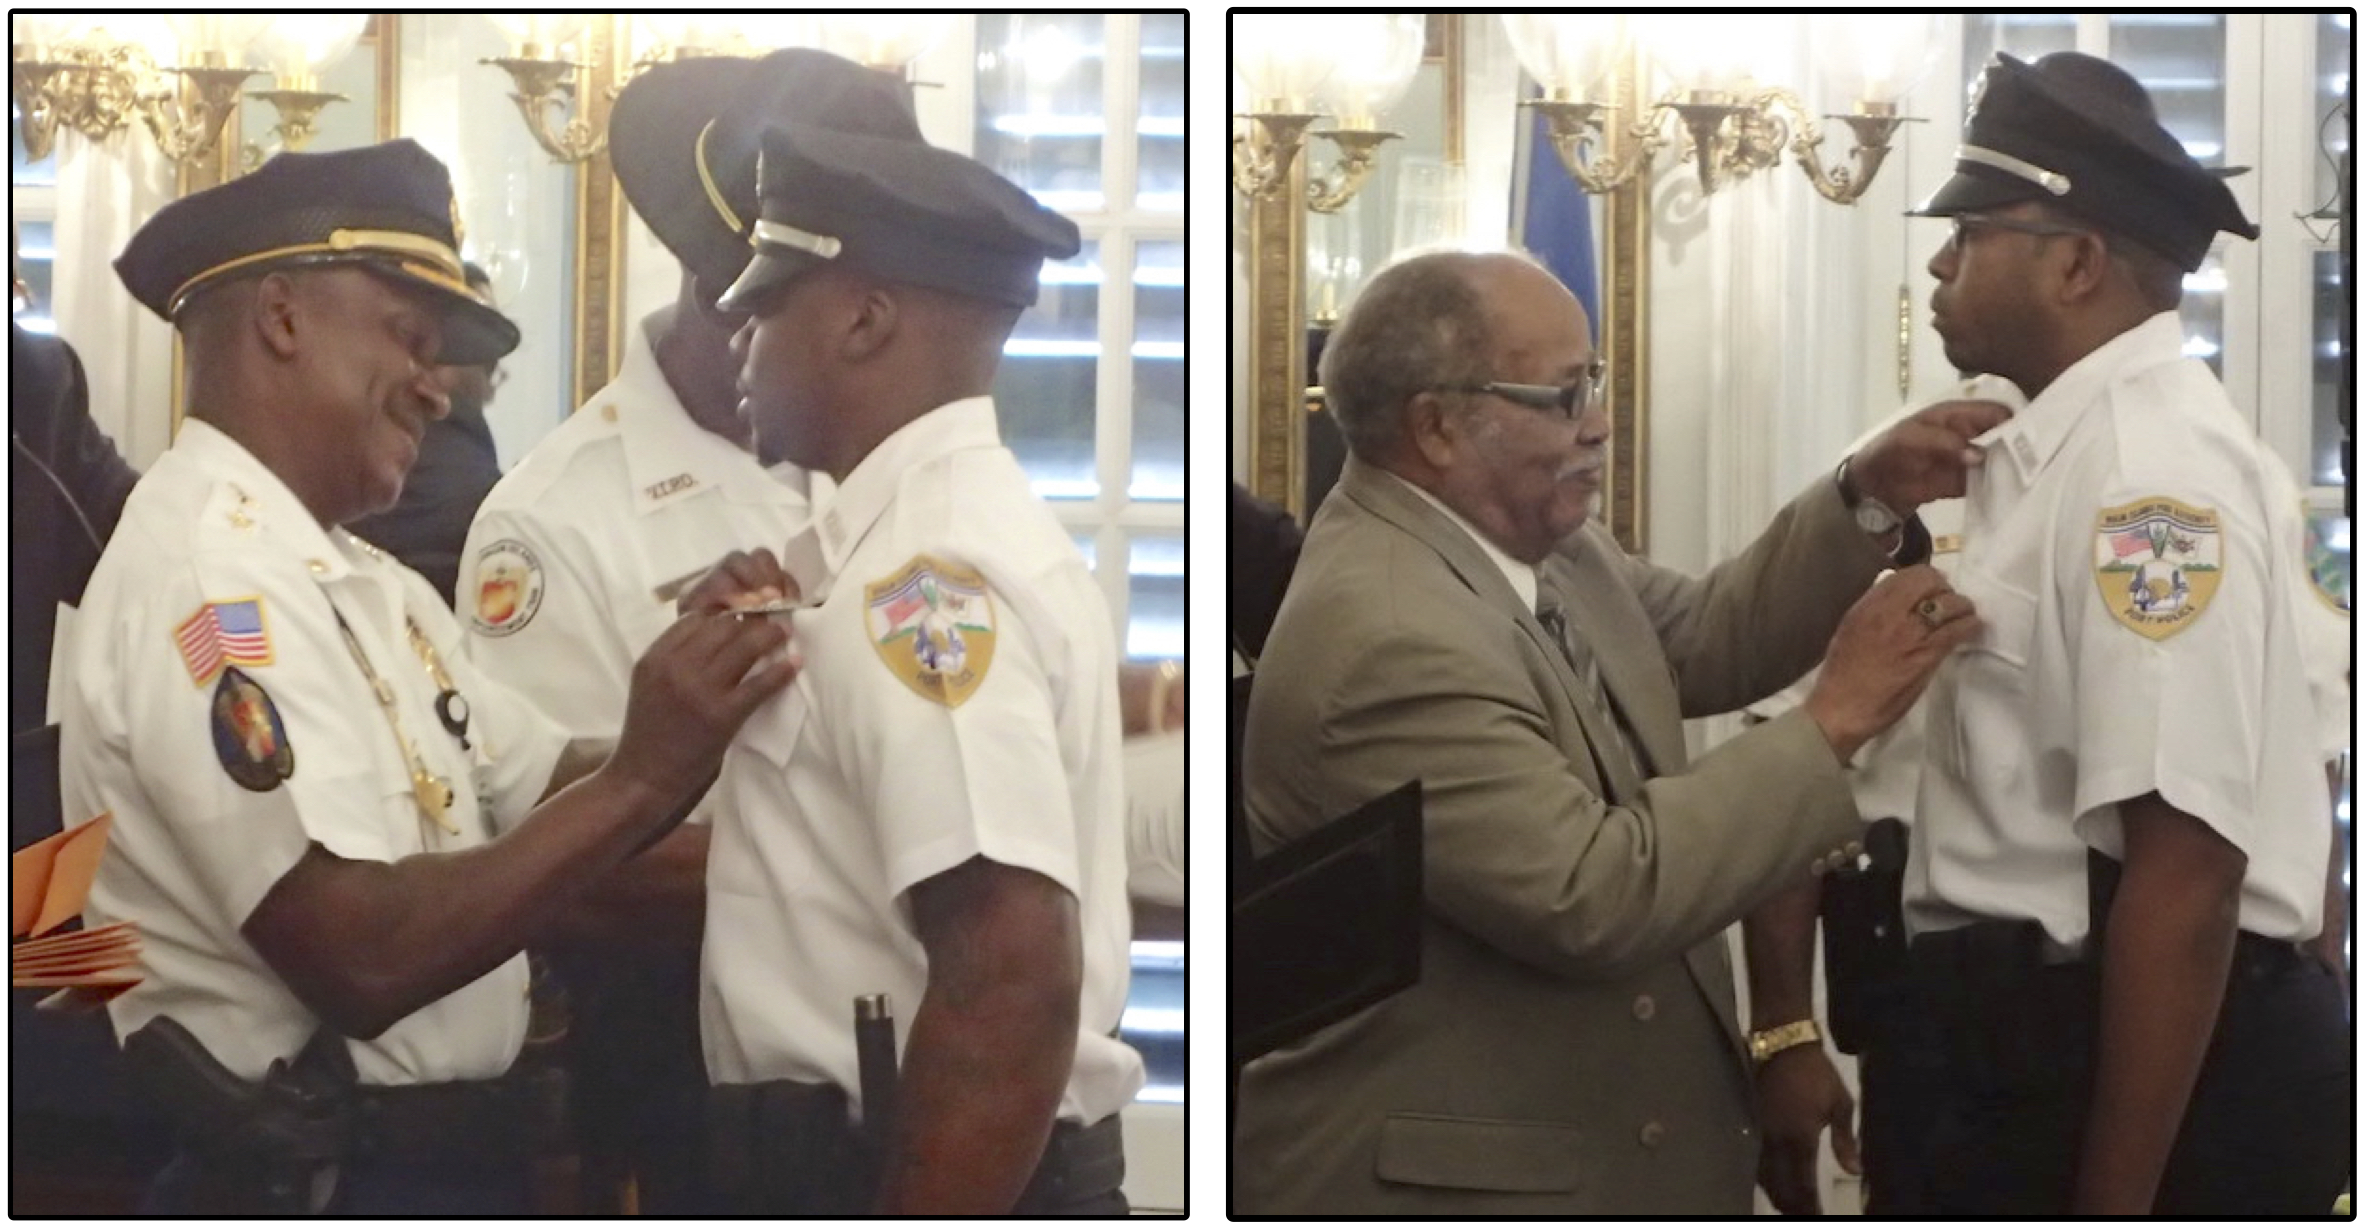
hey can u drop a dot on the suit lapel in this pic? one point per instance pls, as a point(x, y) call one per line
point(1623, 643)
point(1392, 500)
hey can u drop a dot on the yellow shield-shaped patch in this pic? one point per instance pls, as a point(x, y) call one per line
point(932, 624)
point(2158, 562)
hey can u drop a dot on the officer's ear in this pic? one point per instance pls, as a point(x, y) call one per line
point(871, 327)
point(2083, 266)
point(270, 308)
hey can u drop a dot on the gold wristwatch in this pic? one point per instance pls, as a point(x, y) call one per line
point(1762, 1044)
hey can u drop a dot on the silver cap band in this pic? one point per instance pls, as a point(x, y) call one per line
point(823, 246)
point(2051, 181)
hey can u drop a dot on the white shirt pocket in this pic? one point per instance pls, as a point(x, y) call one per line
point(771, 732)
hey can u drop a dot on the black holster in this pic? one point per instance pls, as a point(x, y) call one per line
point(275, 1146)
point(1863, 947)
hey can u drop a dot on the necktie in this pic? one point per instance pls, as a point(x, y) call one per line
point(1553, 617)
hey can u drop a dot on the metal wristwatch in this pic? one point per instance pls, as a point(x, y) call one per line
point(1872, 515)
point(1762, 1044)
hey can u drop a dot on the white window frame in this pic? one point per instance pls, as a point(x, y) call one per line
point(1112, 521)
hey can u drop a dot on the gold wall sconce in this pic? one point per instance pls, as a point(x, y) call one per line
point(1298, 69)
point(180, 74)
point(550, 54)
point(1715, 113)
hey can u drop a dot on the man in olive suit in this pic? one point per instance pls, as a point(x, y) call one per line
point(1571, 1047)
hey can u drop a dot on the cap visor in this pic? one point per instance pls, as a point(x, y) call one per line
point(1968, 190)
point(771, 269)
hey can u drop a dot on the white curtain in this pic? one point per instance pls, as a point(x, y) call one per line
point(104, 192)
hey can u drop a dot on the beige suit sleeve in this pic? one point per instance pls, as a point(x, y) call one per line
point(1757, 622)
point(1526, 855)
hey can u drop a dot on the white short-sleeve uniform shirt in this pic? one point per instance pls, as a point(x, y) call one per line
point(2128, 555)
point(219, 713)
point(560, 583)
point(1886, 771)
point(958, 699)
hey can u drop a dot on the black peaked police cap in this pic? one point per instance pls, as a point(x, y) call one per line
point(387, 206)
point(2080, 133)
point(685, 137)
point(910, 213)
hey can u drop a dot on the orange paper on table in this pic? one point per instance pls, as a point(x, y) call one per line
point(50, 880)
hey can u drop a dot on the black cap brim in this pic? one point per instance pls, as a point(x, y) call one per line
point(1975, 188)
point(474, 332)
point(771, 269)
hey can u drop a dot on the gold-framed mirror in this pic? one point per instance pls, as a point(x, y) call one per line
point(1294, 268)
point(419, 75)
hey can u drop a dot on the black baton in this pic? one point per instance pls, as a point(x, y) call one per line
point(873, 1047)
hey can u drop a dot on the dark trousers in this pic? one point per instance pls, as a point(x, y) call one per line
point(1899, 1069)
point(2267, 1134)
point(786, 1150)
point(404, 1188)
point(639, 1080)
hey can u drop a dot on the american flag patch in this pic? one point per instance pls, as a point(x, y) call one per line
point(223, 633)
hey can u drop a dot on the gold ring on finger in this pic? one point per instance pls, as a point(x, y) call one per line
point(1931, 612)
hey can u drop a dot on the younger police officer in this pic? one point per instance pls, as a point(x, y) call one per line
point(937, 813)
point(2122, 835)
point(575, 559)
point(325, 818)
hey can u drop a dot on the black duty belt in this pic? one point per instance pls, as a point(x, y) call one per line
point(789, 1148)
point(483, 1121)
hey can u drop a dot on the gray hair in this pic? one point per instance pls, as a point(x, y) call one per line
point(1418, 326)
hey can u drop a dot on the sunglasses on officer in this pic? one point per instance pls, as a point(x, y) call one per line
point(1569, 401)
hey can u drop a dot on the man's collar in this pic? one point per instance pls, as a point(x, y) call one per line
point(2034, 434)
point(1399, 501)
point(844, 516)
point(668, 456)
point(1519, 574)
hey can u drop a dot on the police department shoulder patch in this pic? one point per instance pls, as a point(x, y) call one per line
point(932, 623)
point(247, 734)
point(508, 588)
point(2330, 571)
point(2158, 562)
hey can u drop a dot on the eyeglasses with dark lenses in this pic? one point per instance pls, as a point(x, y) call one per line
point(1567, 401)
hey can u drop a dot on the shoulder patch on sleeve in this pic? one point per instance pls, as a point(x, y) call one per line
point(221, 633)
point(2330, 571)
point(2158, 562)
point(248, 736)
point(932, 624)
point(508, 588)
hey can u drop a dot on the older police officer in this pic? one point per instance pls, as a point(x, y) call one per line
point(326, 819)
point(936, 813)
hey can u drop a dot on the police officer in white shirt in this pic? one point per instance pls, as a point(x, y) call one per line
point(1798, 1087)
point(576, 559)
point(937, 814)
point(2121, 829)
point(325, 817)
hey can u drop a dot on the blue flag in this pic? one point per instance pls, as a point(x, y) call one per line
point(1551, 217)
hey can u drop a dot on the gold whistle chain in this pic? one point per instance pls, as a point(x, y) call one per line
point(434, 796)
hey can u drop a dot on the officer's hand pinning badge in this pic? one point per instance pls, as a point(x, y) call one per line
point(932, 623)
point(2158, 562)
point(247, 734)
